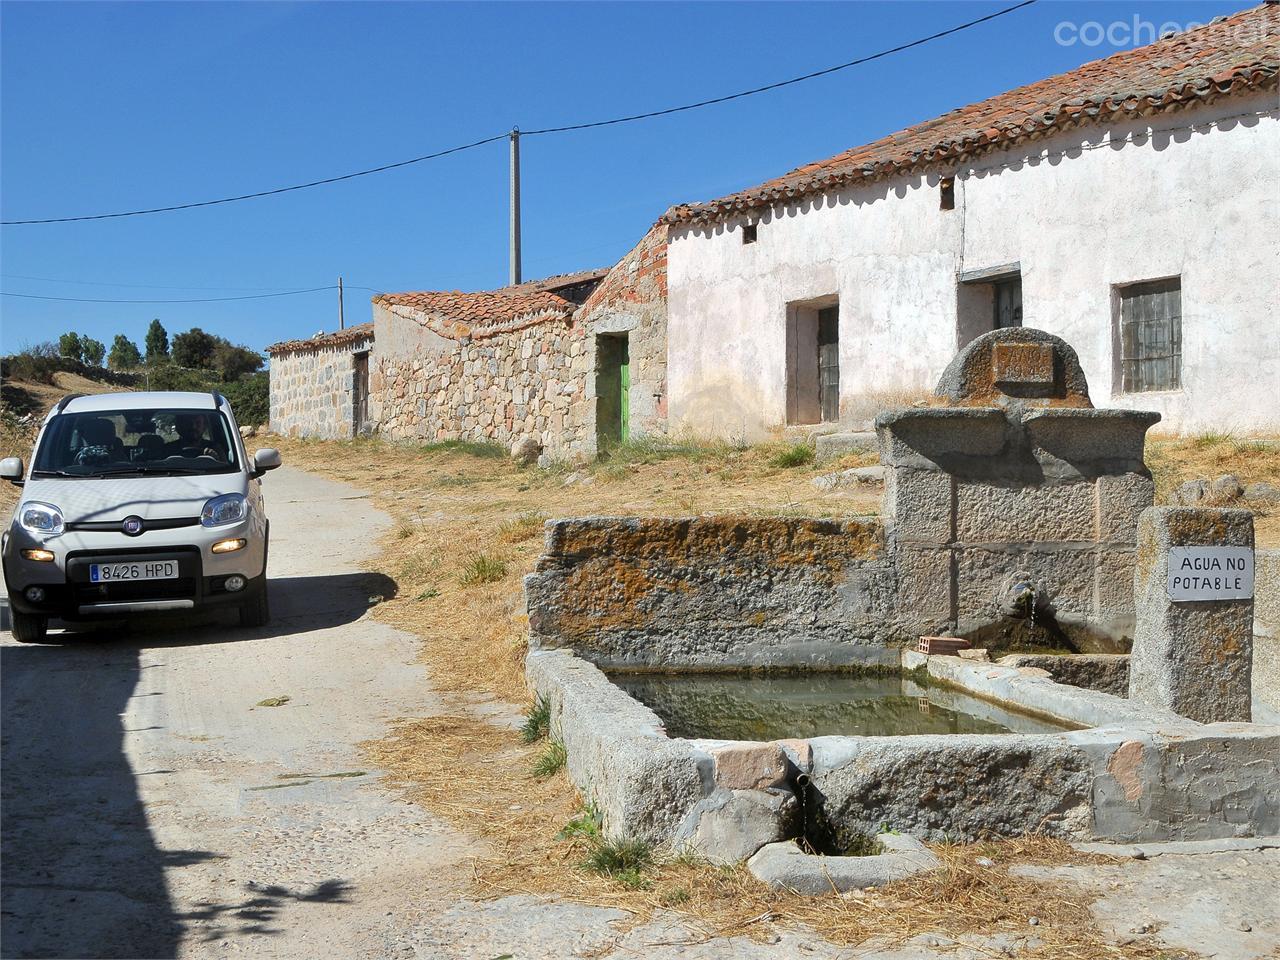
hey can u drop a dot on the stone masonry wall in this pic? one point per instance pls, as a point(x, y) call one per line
point(311, 391)
point(537, 381)
point(713, 591)
point(631, 299)
point(524, 383)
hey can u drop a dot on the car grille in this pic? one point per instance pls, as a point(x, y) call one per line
point(181, 589)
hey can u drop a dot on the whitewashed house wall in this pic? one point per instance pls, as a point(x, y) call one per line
point(1194, 194)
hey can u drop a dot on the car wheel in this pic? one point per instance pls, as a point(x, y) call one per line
point(255, 612)
point(28, 627)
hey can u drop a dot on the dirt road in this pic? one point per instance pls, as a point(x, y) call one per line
point(153, 808)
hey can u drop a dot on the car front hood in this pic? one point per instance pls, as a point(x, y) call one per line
point(114, 498)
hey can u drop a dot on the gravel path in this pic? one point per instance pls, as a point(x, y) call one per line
point(152, 809)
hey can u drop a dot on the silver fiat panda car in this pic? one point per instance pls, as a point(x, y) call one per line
point(133, 503)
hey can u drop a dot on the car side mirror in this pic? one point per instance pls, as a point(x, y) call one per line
point(268, 458)
point(12, 469)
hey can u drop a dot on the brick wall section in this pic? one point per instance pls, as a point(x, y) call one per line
point(432, 383)
point(311, 388)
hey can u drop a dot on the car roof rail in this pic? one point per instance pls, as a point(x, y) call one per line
point(65, 400)
point(218, 398)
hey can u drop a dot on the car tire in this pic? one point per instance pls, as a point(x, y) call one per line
point(256, 612)
point(28, 627)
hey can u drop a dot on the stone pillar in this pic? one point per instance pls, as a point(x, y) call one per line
point(1193, 644)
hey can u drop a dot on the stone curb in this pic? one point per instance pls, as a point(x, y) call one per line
point(1145, 851)
point(785, 866)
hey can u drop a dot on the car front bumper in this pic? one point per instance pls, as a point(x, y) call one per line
point(69, 593)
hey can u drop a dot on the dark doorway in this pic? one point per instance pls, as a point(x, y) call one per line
point(360, 393)
point(613, 389)
point(813, 363)
point(829, 363)
point(1008, 297)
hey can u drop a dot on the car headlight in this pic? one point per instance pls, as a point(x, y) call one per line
point(42, 518)
point(229, 508)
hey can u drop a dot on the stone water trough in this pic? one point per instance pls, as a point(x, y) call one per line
point(1015, 515)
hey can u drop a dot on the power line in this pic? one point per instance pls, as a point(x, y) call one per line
point(256, 296)
point(560, 129)
point(162, 286)
point(781, 83)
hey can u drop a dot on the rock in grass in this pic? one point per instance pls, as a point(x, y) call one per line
point(856, 476)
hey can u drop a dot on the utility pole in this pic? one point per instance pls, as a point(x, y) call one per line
point(342, 324)
point(515, 205)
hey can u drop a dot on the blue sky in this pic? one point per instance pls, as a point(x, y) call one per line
point(107, 106)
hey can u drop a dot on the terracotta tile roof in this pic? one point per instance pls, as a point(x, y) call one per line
point(339, 338)
point(1236, 54)
point(485, 313)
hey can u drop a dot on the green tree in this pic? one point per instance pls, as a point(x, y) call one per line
point(233, 362)
point(249, 399)
point(92, 351)
point(157, 342)
point(124, 354)
point(195, 348)
point(69, 346)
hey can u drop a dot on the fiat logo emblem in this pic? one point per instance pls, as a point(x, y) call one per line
point(132, 526)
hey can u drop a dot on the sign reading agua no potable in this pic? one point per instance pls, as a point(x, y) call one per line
point(1210, 573)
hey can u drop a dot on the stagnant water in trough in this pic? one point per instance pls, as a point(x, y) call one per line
point(719, 706)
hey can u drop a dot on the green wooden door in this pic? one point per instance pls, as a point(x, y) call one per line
point(624, 401)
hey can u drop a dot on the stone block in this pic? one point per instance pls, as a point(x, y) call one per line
point(784, 866)
point(750, 766)
point(1113, 593)
point(1022, 364)
point(1012, 513)
point(1121, 500)
point(933, 438)
point(924, 584)
point(1065, 573)
point(731, 825)
point(1069, 441)
point(1193, 657)
point(920, 505)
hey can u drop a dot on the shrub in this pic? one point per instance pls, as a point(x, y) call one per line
point(537, 722)
point(482, 568)
point(484, 449)
point(521, 528)
point(250, 398)
point(619, 858)
point(550, 761)
point(796, 455)
point(586, 825)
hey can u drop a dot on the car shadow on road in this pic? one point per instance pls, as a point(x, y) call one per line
point(299, 605)
point(81, 874)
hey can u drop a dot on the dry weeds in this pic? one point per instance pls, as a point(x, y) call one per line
point(490, 793)
point(479, 777)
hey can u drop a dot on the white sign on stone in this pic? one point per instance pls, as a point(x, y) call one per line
point(1210, 573)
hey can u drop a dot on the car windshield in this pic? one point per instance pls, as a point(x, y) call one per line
point(134, 442)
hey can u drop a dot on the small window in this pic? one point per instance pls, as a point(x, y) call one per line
point(1150, 336)
point(947, 193)
point(748, 233)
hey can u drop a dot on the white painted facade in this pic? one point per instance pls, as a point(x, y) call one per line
point(1193, 194)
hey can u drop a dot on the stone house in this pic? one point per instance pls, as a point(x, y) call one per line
point(314, 383)
point(1130, 206)
point(573, 362)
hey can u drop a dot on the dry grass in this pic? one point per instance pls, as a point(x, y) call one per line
point(1173, 461)
point(449, 506)
point(492, 794)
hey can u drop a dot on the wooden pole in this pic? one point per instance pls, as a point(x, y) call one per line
point(342, 323)
point(515, 206)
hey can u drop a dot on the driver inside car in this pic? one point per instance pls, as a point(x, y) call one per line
point(192, 441)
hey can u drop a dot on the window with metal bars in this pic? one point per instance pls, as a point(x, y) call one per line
point(1150, 336)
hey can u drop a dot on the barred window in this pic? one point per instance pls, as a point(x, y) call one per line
point(1151, 336)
